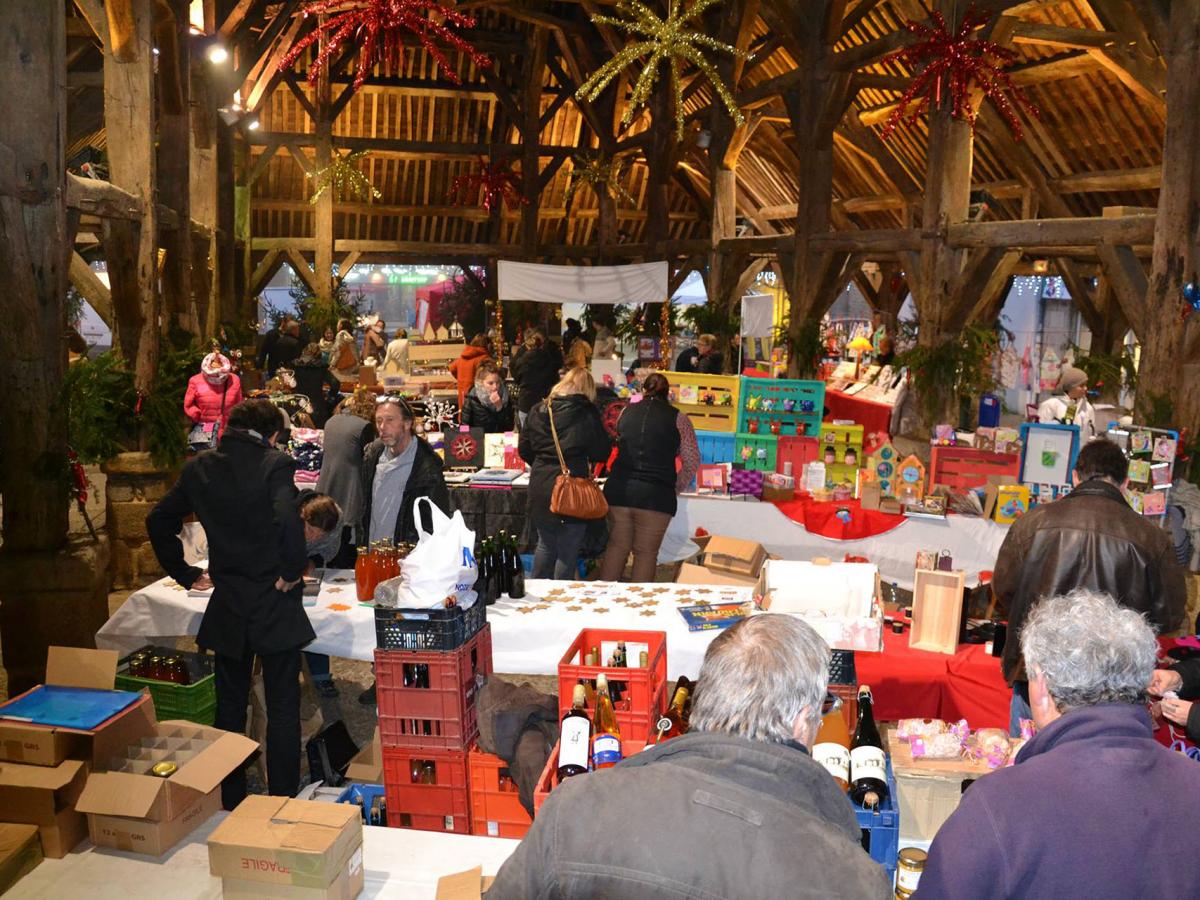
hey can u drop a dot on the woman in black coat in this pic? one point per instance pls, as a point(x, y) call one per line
point(642, 488)
point(584, 441)
point(316, 382)
point(535, 370)
point(488, 405)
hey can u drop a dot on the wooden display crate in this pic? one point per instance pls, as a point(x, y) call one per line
point(806, 398)
point(937, 610)
point(688, 392)
point(963, 468)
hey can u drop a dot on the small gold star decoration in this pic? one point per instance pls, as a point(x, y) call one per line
point(600, 174)
point(343, 178)
point(659, 41)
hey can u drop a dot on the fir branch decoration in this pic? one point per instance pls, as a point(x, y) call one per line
point(669, 41)
point(342, 177)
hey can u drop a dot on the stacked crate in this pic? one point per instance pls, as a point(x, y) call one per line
point(710, 401)
point(427, 715)
point(842, 439)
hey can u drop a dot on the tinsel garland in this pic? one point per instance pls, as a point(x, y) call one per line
point(668, 41)
point(378, 27)
point(600, 174)
point(341, 176)
point(955, 64)
point(490, 185)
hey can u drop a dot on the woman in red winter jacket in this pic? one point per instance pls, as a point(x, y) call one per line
point(212, 393)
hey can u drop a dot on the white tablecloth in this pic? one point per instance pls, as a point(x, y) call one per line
point(973, 543)
point(400, 863)
point(528, 643)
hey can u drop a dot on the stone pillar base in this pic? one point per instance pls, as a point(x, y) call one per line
point(46, 598)
point(132, 489)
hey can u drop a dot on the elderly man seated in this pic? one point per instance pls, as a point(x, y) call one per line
point(735, 808)
point(1093, 807)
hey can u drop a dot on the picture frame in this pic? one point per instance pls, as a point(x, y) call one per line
point(712, 479)
point(1048, 452)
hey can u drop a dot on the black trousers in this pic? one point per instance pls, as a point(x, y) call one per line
point(281, 680)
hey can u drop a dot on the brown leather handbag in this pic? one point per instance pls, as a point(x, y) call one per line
point(579, 498)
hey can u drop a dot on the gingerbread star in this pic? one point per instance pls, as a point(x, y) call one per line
point(542, 606)
point(598, 611)
point(574, 608)
point(525, 609)
point(587, 600)
point(648, 612)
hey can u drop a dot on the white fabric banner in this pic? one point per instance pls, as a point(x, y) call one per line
point(635, 283)
point(758, 315)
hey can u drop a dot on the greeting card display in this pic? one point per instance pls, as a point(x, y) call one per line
point(1151, 453)
point(712, 479)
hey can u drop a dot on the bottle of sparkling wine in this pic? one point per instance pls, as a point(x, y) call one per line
point(606, 733)
point(516, 578)
point(831, 748)
point(674, 721)
point(575, 738)
point(868, 765)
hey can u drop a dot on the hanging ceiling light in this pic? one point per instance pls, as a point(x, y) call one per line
point(217, 54)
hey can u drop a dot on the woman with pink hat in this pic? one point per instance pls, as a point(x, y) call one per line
point(210, 396)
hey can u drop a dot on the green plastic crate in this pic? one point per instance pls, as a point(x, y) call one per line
point(756, 451)
point(196, 702)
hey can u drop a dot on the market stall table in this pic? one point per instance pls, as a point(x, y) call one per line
point(400, 863)
point(973, 542)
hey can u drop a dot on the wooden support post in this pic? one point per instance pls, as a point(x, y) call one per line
point(323, 270)
point(132, 252)
point(34, 252)
point(1170, 361)
point(91, 288)
point(531, 112)
point(174, 163)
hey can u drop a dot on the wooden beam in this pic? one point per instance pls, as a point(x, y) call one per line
point(234, 19)
point(93, 12)
point(122, 30)
point(860, 12)
point(1060, 37)
point(299, 265)
point(1127, 277)
point(91, 288)
point(265, 271)
point(101, 198)
point(402, 148)
point(1127, 230)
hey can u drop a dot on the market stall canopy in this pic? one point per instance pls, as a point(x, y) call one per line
point(635, 283)
point(758, 315)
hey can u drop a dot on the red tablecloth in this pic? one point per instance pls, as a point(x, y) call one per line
point(909, 683)
point(875, 418)
point(822, 518)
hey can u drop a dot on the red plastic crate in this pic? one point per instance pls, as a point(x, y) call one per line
point(442, 716)
point(799, 451)
point(496, 810)
point(444, 806)
point(963, 468)
point(549, 777)
point(644, 692)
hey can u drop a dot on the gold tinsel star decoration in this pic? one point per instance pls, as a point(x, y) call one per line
point(599, 174)
point(667, 41)
point(342, 178)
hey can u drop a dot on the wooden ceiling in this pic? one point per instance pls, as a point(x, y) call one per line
point(1091, 67)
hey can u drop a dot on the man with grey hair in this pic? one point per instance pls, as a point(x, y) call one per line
point(1093, 807)
point(735, 808)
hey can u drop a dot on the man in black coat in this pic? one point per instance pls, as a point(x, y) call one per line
point(398, 468)
point(244, 496)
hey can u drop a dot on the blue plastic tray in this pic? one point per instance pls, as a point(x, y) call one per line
point(68, 707)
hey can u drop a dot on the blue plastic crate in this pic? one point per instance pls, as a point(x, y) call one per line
point(715, 447)
point(881, 827)
point(367, 792)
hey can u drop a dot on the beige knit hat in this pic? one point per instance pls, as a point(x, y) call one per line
point(1071, 377)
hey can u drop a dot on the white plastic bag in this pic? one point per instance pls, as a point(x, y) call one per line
point(443, 562)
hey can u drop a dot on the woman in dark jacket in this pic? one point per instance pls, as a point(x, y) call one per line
point(583, 440)
point(316, 382)
point(642, 487)
point(535, 370)
point(488, 405)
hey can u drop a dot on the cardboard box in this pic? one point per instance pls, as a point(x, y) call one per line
point(367, 765)
point(469, 885)
point(690, 573)
point(20, 853)
point(278, 841)
point(841, 601)
point(44, 745)
point(928, 790)
point(204, 757)
point(346, 886)
point(734, 556)
point(150, 837)
point(45, 796)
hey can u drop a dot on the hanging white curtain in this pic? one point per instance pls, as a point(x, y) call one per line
point(635, 283)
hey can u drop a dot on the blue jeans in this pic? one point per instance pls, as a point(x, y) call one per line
point(557, 553)
point(1020, 708)
point(318, 666)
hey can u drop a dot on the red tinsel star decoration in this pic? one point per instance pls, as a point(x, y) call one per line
point(378, 26)
point(488, 186)
point(954, 63)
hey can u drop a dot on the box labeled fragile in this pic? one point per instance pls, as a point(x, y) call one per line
point(278, 843)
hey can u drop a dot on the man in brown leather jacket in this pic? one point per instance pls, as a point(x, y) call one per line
point(1089, 539)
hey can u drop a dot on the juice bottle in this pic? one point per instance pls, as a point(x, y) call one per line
point(362, 575)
